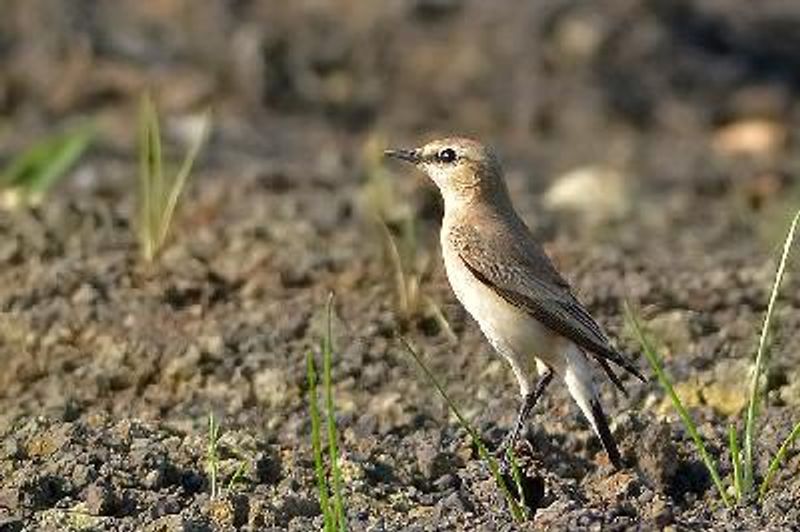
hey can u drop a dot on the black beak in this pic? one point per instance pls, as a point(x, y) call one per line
point(411, 156)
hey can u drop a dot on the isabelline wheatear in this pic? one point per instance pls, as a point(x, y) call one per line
point(503, 278)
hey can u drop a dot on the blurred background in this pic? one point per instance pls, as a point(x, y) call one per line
point(652, 145)
point(671, 93)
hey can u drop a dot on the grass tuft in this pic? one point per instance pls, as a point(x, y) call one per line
point(213, 462)
point(329, 489)
point(333, 447)
point(756, 388)
point(666, 383)
point(518, 510)
point(408, 262)
point(159, 194)
point(409, 274)
point(777, 460)
point(316, 445)
point(29, 176)
point(742, 460)
point(212, 455)
point(736, 462)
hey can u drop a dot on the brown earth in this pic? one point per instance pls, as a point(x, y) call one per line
point(683, 113)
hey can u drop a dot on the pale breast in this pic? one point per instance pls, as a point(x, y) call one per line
point(510, 330)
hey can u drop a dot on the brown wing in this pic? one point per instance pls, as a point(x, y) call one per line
point(527, 279)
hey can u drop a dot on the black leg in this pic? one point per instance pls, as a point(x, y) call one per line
point(528, 402)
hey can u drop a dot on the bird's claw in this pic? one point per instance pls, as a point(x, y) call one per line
point(502, 455)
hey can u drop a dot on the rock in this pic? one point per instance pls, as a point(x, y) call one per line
point(752, 137)
point(618, 486)
point(596, 193)
point(720, 388)
point(431, 462)
point(221, 512)
point(86, 294)
point(650, 443)
point(271, 387)
point(389, 410)
point(725, 391)
point(10, 449)
point(446, 482)
point(100, 499)
point(790, 394)
point(764, 188)
point(213, 344)
point(10, 499)
point(659, 512)
point(167, 523)
point(453, 503)
point(689, 393)
point(295, 505)
point(657, 456)
point(182, 368)
point(672, 328)
point(166, 506)
point(83, 474)
point(154, 479)
point(578, 36)
point(43, 445)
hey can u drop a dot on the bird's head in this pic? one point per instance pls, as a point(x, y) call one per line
point(462, 169)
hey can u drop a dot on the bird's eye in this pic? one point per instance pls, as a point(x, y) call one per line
point(447, 155)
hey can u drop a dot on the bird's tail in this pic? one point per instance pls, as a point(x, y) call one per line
point(578, 377)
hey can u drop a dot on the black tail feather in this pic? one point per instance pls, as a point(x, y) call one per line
point(601, 423)
point(621, 361)
point(611, 375)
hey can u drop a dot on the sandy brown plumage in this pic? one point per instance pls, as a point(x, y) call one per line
point(527, 279)
point(504, 279)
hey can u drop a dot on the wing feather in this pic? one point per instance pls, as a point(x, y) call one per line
point(527, 279)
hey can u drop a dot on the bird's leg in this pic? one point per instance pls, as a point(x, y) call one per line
point(528, 402)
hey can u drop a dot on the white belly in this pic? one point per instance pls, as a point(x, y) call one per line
point(512, 332)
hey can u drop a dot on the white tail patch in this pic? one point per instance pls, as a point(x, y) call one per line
point(578, 377)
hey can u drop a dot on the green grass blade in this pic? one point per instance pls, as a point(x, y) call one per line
point(236, 476)
point(516, 474)
point(761, 356)
point(401, 285)
point(155, 168)
point(518, 512)
point(316, 444)
point(440, 318)
point(143, 207)
point(736, 461)
point(158, 196)
point(64, 155)
point(24, 168)
point(147, 168)
point(777, 459)
point(688, 423)
point(177, 184)
point(35, 171)
point(18, 171)
point(333, 447)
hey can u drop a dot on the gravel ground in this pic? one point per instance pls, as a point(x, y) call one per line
point(678, 114)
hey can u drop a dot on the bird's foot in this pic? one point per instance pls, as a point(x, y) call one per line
point(505, 452)
point(501, 455)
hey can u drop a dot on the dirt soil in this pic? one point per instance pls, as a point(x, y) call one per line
point(680, 113)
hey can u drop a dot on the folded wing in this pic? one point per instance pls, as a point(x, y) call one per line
point(527, 279)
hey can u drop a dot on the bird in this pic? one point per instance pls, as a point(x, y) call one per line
point(504, 279)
